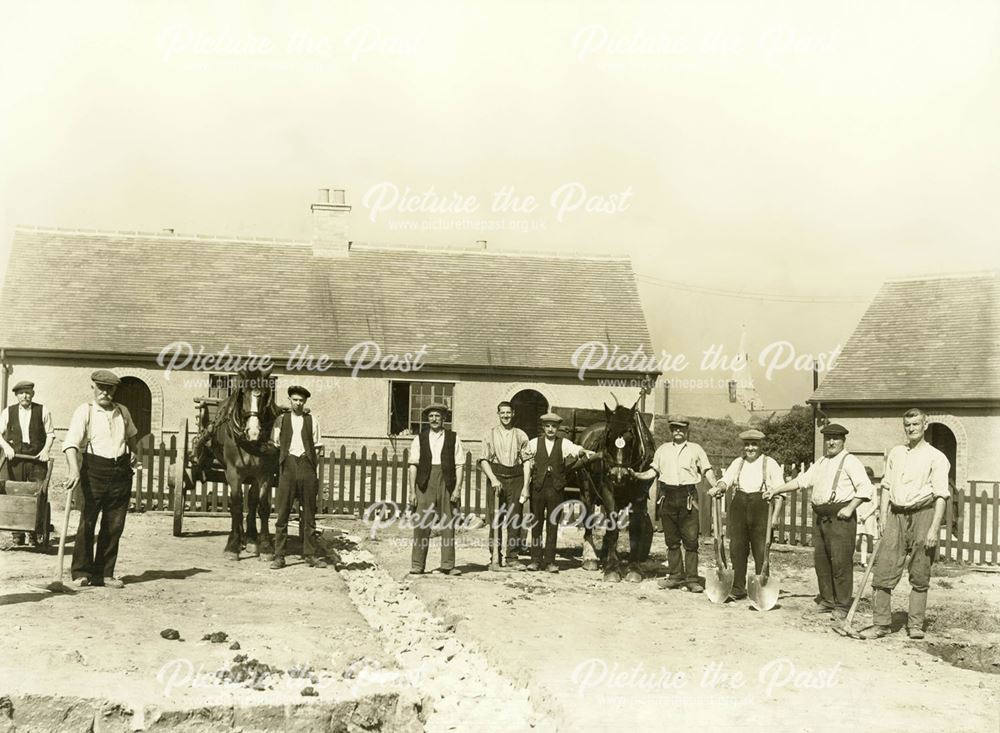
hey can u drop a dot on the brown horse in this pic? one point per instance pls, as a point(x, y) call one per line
point(240, 439)
point(625, 443)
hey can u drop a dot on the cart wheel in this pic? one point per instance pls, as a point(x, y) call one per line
point(178, 480)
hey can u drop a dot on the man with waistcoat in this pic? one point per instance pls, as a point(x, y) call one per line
point(679, 467)
point(545, 474)
point(749, 476)
point(26, 429)
point(501, 462)
point(297, 433)
point(915, 490)
point(435, 474)
point(839, 486)
point(100, 448)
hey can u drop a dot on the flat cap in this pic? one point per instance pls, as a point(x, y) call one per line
point(23, 386)
point(678, 420)
point(104, 376)
point(443, 409)
point(751, 434)
point(834, 429)
point(550, 417)
point(299, 389)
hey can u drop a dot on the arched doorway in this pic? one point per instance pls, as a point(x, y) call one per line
point(528, 405)
point(135, 395)
point(942, 438)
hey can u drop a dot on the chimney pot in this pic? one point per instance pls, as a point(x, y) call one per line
point(168, 230)
point(339, 197)
point(324, 196)
point(481, 243)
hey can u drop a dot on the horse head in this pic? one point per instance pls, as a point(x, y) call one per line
point(254, 403)
point(627, 442)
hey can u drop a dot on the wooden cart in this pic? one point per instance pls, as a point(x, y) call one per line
point(24, 505)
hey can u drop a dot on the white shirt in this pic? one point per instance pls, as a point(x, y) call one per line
point(751, 475)
point(853, 481)
point(435, 439)
point(569, 448)
point(24, 418)
point(680, 465)
point(297, 447)
point(109, 430)
point(914, 474)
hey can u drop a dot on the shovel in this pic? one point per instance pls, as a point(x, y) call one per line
point(57, 586)
point(719, 585)
point(846, 629)
point(763, 589)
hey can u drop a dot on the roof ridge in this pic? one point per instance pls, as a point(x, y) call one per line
point(946, 276)
point(157, 235)
point(473, 249)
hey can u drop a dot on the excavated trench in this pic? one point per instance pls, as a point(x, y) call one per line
point(977, 657)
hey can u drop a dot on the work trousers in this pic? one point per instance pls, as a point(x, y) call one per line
point(298, 480)
point(679, 518)
point(106, 486)
point(506, 517)
point(747, 531)
point(434, 512)
point(544, 501)
point(833, 556)
point(904, 533)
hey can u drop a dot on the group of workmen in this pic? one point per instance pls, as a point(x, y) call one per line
point(100, 448)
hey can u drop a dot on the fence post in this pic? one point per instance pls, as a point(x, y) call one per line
point(353, 474)
point(984, 509)
point(384, 469)
point(996, 520)
point(341, 486)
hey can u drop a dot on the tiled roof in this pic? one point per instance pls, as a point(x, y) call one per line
point(935, 338)
point(133, 293)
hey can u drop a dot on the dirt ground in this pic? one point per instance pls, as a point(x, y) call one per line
point(487, 650)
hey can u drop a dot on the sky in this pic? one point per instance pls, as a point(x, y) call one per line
point(765, 165)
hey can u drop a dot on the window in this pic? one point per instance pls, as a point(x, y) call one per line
point(407, 401)
point(221, 385)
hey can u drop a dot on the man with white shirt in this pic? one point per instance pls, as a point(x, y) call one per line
point(545, 474)
point(749, 476)
point(26, 429)
point(100, 448)
point(915, 488)
point(839, 486)
point(297, 434)
point(435, 473)
point(501, 462)
point(679, 467)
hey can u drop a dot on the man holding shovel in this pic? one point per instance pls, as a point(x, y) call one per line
point(839, 485)
point(501, 462)
point(679, 467)
point(915, 486)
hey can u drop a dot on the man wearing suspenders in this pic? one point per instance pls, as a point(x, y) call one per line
point(749, 477)
point(839, 485)
point(100, 448)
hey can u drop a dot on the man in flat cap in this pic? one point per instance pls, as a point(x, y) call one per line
point(545, 474)
point(501, 462)
point(297, 434)
point(436, 468)
point(915, 488)
point(679, 467)
point(839, 486)
point(100, 448)
point(749, 476)
point(26, 429)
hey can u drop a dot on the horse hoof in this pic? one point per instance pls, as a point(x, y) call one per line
point(267, 557)
point(591, 565)
point(633, 577)
point(234, 556)
point(612, 578)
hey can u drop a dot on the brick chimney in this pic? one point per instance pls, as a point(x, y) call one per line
point(330, 216)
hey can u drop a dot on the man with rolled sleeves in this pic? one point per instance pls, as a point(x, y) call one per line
point(26, 429)
point(100, 448)
point(501, 462)
point(679, 467)
point(749, 476)
point(545, 474)
point(839, 486)
point(915, 490)
point(435, 473)
point(296, 434)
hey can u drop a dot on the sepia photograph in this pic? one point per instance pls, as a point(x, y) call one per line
point(561, 366)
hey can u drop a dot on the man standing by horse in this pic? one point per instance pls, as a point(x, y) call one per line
point(839, 486)
point(679, 467)
point(26, 429)
point(501, 462)
point(545, 473)
point(749, 476)
point(435, 473)
point(297, 434)
point(100, 448)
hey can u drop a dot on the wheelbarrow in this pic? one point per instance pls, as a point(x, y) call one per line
point(24, 505)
